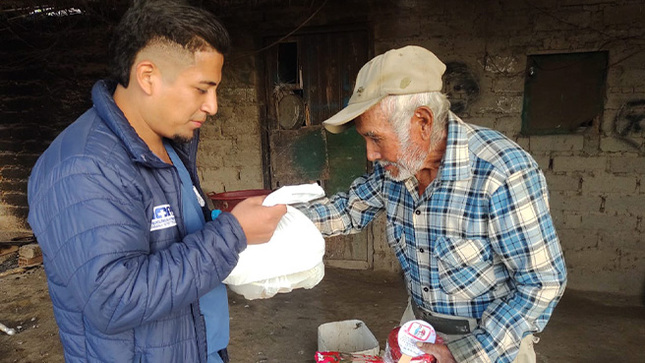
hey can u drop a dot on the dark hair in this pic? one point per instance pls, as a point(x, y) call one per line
point(190, 27)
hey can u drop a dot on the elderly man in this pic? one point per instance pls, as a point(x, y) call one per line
point(467, 212)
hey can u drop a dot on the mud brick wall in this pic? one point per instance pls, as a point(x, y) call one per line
point(46, 71)
point(230, 151)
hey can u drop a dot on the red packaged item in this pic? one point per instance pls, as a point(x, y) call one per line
point(338, 357)
point(393, 352)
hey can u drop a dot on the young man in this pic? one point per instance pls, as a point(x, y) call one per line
point(467, 212)
point(115, 203)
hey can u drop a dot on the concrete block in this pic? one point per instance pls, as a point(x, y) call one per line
point(578, 239)
point(238, 125)
point(605, 281)
point(565, 183)
point(212, 186)
point(558, 218)
point(505, 104)
point(229, 178)
point(609, 222)
point(209, 159)
point(508, 125)
point(573, 202)
point(480, 120)
point(621, 238)
point(614, 144)
point(251, 178)
point(631, 261)
point(572, 221)
point(220, 147)
point(557, 143)
point(609, 183)
point(543, 161)
point(508, 84)
point(625, 204)
point(591, 261)
point(579, 163)
point(627, 164)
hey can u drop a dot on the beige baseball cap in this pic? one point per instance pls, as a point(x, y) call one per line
point(407, 70)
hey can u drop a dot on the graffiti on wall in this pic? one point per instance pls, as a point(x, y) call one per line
point(630, 118)
point(461, 87)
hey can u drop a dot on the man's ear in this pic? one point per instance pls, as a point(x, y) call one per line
point(144, 74)
point(422, 121)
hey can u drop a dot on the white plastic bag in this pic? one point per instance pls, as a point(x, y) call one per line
point(291, 259)
point(282, 284)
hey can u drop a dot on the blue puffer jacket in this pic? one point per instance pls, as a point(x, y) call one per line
point(123, 276)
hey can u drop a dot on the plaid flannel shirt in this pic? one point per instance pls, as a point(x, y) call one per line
point(479, 242)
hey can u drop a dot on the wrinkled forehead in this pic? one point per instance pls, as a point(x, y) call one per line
point(373, 120)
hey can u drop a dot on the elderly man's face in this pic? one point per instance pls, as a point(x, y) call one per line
point(400, 160)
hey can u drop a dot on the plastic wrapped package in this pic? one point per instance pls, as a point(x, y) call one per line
point(392, 352)
point(267, 288)
point(292, 259)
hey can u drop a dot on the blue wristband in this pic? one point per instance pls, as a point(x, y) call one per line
point(215, 213)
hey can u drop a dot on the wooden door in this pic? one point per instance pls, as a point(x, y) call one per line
point(310, 77)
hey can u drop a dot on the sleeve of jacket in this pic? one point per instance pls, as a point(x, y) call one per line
point(94, 232)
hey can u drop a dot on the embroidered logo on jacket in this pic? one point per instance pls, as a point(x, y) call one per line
point(162, 217)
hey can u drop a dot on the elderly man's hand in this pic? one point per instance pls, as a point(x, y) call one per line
point(440, 351)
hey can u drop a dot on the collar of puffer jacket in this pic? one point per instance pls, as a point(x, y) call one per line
point(114, 118)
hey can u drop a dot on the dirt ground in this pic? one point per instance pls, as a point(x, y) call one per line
point(585, 327)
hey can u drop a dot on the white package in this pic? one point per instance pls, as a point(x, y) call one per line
point(291, 259)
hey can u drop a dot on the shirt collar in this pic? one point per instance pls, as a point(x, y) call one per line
point(456, 162)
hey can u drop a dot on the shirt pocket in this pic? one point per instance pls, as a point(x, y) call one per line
point(396, 240)
point(395, 236)
point(465, 267)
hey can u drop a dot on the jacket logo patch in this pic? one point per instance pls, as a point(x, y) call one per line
point(163, 217)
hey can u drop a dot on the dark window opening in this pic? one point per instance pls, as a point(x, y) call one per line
point(288, 63)
point(563, 93)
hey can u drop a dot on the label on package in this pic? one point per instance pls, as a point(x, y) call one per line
point(413, 332)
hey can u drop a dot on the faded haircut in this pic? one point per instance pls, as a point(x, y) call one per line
point(174, 22)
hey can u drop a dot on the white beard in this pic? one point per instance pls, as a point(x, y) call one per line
point(409, 162)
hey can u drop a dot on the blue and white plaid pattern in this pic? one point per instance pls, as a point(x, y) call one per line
point(478, 243)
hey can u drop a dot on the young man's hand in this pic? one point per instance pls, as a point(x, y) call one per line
point(257, 221)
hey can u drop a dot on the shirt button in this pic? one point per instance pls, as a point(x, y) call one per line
point(421, 250)
point(425, 289)
point(417, 212)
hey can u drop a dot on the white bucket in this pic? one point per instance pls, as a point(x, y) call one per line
point(348, 336)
